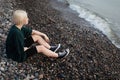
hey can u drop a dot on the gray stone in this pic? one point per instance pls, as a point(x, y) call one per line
point(2, 69)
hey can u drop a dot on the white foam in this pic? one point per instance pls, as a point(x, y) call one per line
point(98, 22)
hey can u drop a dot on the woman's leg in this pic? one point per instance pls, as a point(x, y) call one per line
point(40, 40)
point(42, 49)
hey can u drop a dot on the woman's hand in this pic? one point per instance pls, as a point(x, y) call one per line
point(46, 38)
point(25, 48)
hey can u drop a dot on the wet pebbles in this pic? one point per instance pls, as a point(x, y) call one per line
point(92, 55)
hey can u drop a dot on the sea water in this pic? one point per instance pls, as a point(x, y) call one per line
point(102, 14)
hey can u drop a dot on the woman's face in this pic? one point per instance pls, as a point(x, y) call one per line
point(26, 20)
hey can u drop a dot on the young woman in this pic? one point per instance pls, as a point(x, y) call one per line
point(20, 39)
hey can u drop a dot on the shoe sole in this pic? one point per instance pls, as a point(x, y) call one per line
point(68, 51)
point(59, 45)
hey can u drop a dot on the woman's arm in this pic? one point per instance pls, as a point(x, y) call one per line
point(37, 33)
point(41, 34)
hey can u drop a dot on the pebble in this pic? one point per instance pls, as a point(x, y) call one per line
point(60, 75)
point(36, 75)
point(41, 76)
point(2, 69)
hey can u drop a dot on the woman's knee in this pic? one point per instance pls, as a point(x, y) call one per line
point(36, 38)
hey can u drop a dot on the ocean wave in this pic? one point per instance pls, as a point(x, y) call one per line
point(98, 22)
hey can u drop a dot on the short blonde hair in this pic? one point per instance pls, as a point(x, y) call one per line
point(18, 16)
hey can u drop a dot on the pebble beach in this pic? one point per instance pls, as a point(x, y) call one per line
point(92, 55)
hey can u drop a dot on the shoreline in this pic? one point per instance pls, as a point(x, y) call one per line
point(73, 16)
point(92, 56)
point(101, 23)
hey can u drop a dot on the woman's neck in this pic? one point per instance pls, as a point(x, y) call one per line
point(19, 26)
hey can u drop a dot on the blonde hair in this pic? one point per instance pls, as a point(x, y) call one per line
point(18, 16)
